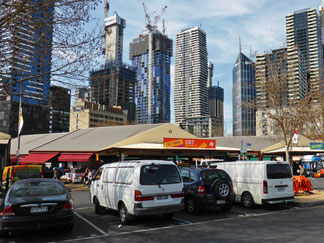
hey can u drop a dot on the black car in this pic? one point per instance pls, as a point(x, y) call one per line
point(33, 204)
point(207, 187)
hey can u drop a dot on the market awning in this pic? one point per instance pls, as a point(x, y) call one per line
point(37, 158)
point(80, 157)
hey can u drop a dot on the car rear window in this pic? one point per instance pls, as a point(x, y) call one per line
point(278, 171)
point(208, 176)
point(31, 189)
point(164, 174)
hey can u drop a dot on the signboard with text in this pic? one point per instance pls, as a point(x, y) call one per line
point(316, 145)
point(189, 143)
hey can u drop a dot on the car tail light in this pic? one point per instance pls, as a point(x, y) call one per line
point(139, 197)
point(67, 206)
point(7, 211)
point(201, 190)
point(177, 195)
point(265, 187)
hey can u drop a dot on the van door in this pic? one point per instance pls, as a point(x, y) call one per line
point(279, 180)
point(97, 187)
point(108, 179)
point(122, 187)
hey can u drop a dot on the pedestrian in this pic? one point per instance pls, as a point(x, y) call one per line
point(89, 177)
point(301, 170)
point(56, 174)
point(85, 176)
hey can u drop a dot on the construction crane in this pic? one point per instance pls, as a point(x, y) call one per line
point(151, 27)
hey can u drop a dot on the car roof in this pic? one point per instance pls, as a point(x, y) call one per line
point(138, 163)
point(38, 179)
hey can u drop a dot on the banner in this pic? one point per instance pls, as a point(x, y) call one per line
point(189, 143)
point(21, 120)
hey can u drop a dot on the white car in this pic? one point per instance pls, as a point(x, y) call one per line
point(134, 188)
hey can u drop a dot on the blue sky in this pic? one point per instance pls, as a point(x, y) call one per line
point(260, 23)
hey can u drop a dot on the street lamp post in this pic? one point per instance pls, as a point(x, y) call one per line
point(19, 125)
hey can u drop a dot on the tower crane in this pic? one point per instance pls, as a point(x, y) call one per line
point(149, 23)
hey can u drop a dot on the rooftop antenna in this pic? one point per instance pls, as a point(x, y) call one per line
point(240, 44)
point(106, 8)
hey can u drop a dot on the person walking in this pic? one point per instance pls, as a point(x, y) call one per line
point(85, 176)
point(301, 170)
point(56, 174)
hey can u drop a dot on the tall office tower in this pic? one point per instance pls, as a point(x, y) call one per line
point(25, 63)
point(113, 36)
point(191, 75)
point(216, 110)
point(114, 83)
point(303, 32)
point(321, 17)
point(210, 74)
point(152, 91)
point(60, 109)
point(243, 94)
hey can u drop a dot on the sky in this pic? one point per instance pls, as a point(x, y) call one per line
point(259, 23)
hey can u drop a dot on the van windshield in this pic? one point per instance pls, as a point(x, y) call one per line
point(278, 171)
point(162, 174)
point(27, 172)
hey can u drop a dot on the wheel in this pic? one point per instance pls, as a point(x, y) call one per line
point(226, 207)
point(222, 189)
point(124, 216)
point(191, 205)
point(247, 200)
point(98, 208)
point(168, 215)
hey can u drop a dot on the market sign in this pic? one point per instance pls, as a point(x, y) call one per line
point(189, 143)
point(316, 145)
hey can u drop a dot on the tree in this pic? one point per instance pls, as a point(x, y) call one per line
point(55, 34)
point(280, 109)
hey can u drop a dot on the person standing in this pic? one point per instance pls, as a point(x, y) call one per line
point(56, 174)
point(301, 170)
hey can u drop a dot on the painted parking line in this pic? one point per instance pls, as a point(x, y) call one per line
point(94, 226)
point(182, 220)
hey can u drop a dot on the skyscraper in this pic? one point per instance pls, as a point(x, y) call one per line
point(303, 32)
point(25, 63)
point(191, 75)
point(114, 83)
point(152, 94)
point(243, 95)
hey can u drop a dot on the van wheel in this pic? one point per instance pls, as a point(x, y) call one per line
point(124, 216)
point(98, 208)
point(168, 215)
point(191, 205)
point(247, 200)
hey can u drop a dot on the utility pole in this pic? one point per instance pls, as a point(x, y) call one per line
point(19, 120)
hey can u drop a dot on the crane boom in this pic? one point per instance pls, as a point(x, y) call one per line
point(157, 18)
point(147, 16)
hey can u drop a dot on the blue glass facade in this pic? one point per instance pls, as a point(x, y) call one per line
point(28, 51)
point(244, 93)
point(161, 82)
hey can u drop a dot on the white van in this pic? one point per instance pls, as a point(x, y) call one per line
point(260, 182)
point(135, 188)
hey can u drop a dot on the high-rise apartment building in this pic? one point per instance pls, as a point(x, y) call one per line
point(243, 94)
point(25, 63)
point(191, 75)
point(152, 90)
point(216, 110)
point(303, 30)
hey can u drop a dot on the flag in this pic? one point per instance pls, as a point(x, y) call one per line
point(295, 137)
point(21, 120)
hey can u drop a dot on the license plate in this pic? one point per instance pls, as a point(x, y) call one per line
point(39, 209)
point(281, 189)
point(162, 197)
point(220, 201)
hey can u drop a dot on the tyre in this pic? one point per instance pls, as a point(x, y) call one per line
point(222, 189)
point(124, 216)
point(247, 200)
point(168, 215)
point(191, 205)
point(226, 207)
point(98, 208)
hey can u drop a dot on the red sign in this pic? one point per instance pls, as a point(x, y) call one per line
point(189, 143)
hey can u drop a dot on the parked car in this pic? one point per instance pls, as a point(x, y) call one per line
point(135, 188)
point(20, 172)
point(260, 182)
point(207, 187)
point(33, 204)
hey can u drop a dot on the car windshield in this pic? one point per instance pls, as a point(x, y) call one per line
point(39, 188)
point(161, 174)
point(278, 171)
point(209, 176)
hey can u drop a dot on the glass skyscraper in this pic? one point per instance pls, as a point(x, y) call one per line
point(159, 98)
point(243, 94)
